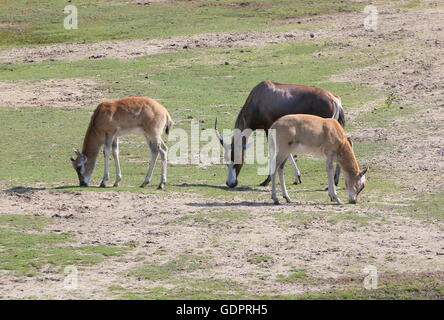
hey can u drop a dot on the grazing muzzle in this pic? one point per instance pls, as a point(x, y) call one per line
point(231, 157)
point(355, 188)
point(232, 176)
point(79, 165)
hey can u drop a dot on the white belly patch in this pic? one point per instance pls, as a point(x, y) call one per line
point(305, 149)
point(136, 131)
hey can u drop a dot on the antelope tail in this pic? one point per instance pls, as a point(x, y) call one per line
point(169, 124)
point(338, 114)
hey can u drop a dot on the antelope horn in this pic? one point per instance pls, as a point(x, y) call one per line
point(363, 172)
point(219, 136)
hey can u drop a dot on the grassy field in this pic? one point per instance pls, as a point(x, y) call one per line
point(198, 239)
point(24, 24)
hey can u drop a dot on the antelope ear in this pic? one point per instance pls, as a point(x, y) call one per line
point(350, 141)
point(72, 159)
point(363, 172)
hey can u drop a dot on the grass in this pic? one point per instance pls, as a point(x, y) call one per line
point(190, 289)
point(429, 207)
point(361, 220)
point(295, 276)
point(26, 252)
point(24, 222)
point(411, 289)
point(193, 85)
point(259, 259)
point(216, 218)
point(403, 286)
point(22, 22)
point(183, 264)
point(179, 79)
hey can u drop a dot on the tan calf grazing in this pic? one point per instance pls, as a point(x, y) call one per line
point(302, 133)
point(112, 119)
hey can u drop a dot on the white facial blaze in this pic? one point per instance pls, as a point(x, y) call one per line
point(86, 179)
point(231, 179)
point(352, 195)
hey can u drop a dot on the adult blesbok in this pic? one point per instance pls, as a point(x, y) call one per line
point(111, 119)
point(269, 101)
point(302, 133)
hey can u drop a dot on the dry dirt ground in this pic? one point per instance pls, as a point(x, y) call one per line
point(333, 252)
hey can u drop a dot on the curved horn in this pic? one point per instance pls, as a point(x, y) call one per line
point(219, 136)
point(363, 172)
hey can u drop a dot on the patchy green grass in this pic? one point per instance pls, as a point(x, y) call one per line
point(181, 80)
point(410, 4)
point(382, 115)
point(214, 218)
point(411, 289)
point(24, 221)
point(23, 22)
point(184, 263)
point(359, 219)
point(191, 289)
point(295, 276)
point(26, 252)
point(259, 259)
point(430, 207)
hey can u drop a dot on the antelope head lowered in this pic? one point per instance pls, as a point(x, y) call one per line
point(112, 119)
point(267, 102)
point(79, 164)
point(234, 152)
point(303, 133)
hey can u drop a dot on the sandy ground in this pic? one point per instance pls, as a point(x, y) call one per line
point(334, 252)
point(129, 49)
point(52, 92)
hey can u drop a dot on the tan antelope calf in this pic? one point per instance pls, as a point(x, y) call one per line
point(302, 133)
point(111, 119)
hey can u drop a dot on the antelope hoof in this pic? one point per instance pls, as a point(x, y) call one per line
point(102, 185)
point(297, 180)
point(334, 198)
point(266, 182)
point(161, 186)
point(116, 184)
point(143, 185)
point(287, 199)
point(276, 201)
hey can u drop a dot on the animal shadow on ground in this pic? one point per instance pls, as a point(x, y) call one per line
point(21, 189)
point(237, 189)
point(257, 204)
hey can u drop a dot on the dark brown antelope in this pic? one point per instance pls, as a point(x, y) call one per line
point(112, 119)
point(302, 133)
point(269, 101)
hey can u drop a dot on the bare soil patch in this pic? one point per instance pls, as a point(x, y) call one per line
point(128, 49)
point(326, 250)
point(51, 92)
